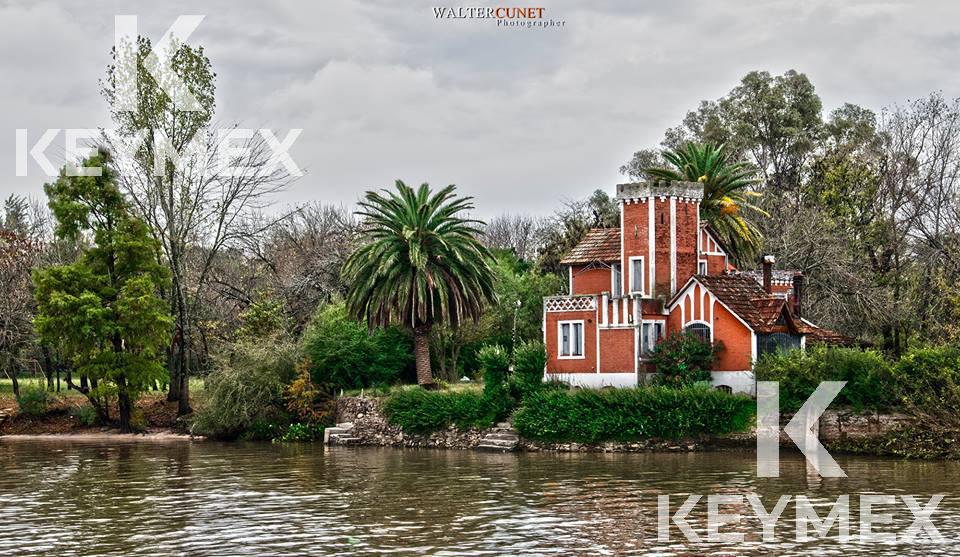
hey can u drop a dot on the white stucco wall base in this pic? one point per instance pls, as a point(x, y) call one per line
point(594, 380)
point(738, 381)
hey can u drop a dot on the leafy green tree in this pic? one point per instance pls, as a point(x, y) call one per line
point(104, 311)
point(343, 354)
point(423, 265)
point(727, 195)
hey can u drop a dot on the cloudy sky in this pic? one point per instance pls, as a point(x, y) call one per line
point(518, 118)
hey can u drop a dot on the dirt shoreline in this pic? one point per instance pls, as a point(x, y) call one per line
point(150, 436)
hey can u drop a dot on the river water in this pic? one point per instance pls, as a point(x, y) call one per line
point(205, 498)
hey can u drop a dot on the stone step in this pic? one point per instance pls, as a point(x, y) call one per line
point(504, 425)
point(345, 440)
point(502, 436)
point(485, 446)
point(509, 444)
point(330, 434)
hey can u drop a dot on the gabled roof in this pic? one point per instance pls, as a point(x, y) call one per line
point(742, 295)
point(600, 244)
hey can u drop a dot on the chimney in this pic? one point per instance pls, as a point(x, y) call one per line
point(768, 261)
point(797, 293)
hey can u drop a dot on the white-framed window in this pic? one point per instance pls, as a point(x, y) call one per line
point(650, 334)
point(701, 267)
point(616, 280)
point(570, 339)
point(636, 275)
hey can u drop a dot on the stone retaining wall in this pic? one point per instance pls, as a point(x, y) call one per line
point(372, 429)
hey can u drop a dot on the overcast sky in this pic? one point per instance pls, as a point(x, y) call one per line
point(518, 118)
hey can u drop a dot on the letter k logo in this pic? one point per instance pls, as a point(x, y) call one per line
point(800, 429)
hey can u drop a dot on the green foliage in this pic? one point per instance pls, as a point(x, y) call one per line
point(308, 402)
point(867, 373)
point(727, 195)
point(683, 359)
point(246, 387)
point(927, 382)
point(343, 354)
point(34, 400)
point(264, 318)
point(495, 366)
point(104, 311)
point(423, 411)
point(85, 415)
point(422, 265)
point(530, 360)
point(264, 429)
point(302, 433)
point(594, 416)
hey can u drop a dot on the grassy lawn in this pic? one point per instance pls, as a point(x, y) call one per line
point(6, 387)
point(386, 391)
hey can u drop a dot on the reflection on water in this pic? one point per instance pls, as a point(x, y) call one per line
point(75, 498)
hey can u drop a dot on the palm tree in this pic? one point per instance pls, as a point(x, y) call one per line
point(727, 193)
point(422, 266)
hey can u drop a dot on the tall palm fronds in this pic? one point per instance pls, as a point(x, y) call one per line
point(422, 265)
point(727, 193)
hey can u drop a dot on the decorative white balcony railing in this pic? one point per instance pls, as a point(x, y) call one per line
point(569, 303)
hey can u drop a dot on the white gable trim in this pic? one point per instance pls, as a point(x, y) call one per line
point(684, 292)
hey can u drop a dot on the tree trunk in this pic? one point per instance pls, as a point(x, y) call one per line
point(421, 350)
point(11, 372)
point(123, 403)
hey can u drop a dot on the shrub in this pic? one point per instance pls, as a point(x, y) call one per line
point(345, 355)
point(683, 359)
point(867, 373)
point(593, 416)
point(301, 433)
point(85, 415)
point(246, 385)
point(530, 359)
point(263, 429)
point(308, 402)
point(927, 382)
point(421, 411)
point(495, 365)
point(33, 400)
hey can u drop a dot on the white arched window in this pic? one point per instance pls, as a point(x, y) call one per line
point(702, 330)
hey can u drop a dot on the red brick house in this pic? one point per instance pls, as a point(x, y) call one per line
point(660, 272)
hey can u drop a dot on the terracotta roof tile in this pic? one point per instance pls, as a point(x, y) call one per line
point(600, 244)
point(744, 295)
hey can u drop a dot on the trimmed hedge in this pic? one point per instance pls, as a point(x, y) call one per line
point(421, 411)
point(593, 416)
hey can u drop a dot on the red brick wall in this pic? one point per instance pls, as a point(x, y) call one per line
point(591, 281)
point(662, 241)
point(716, 264)
point(586, 365)
point(635, 237)
point(736, 338)
point(616, 350)
point(687, 231)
